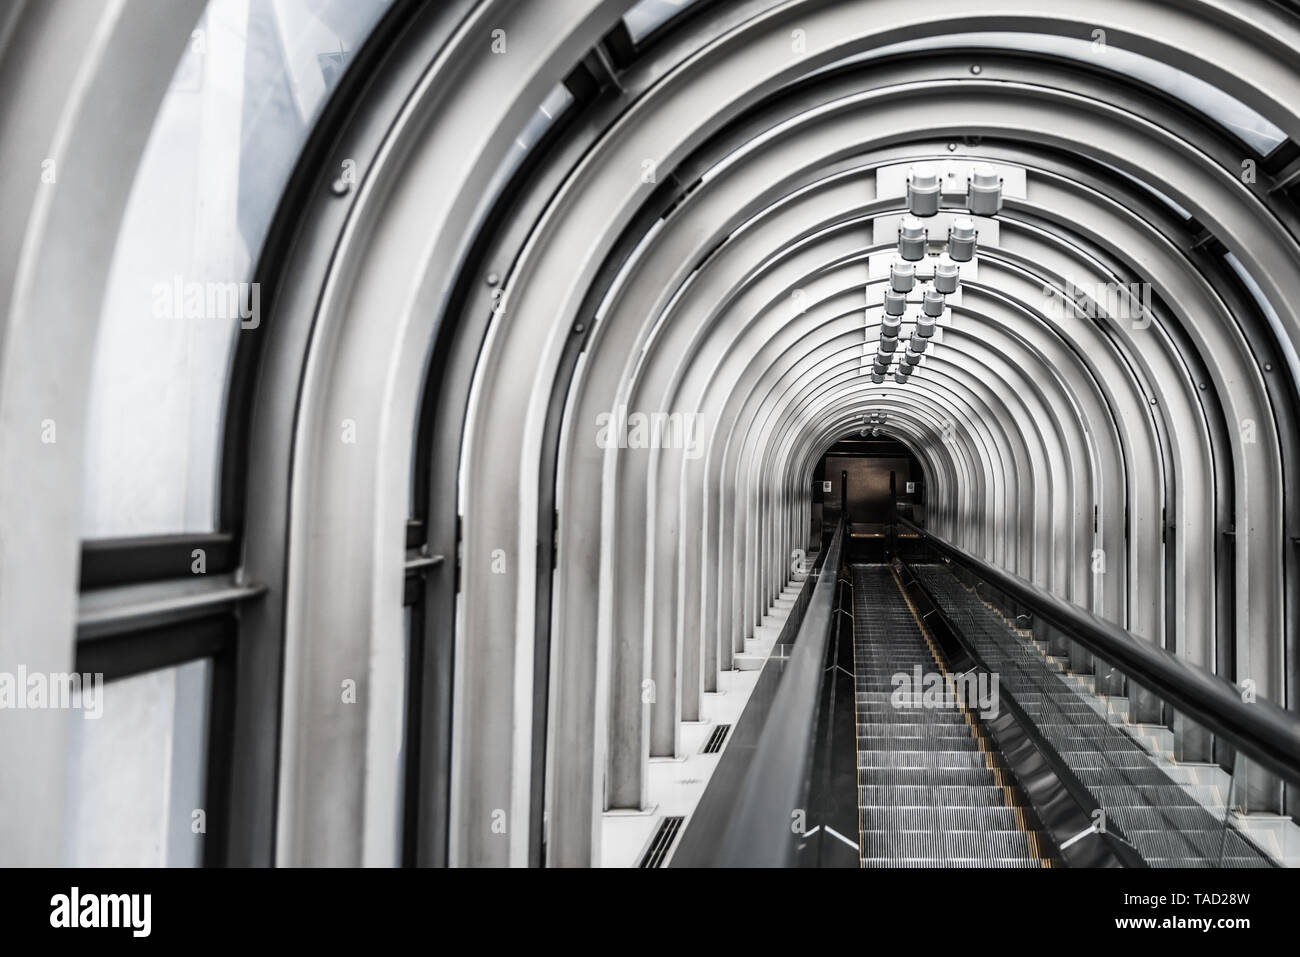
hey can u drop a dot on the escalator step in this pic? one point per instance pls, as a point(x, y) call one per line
point(938, 818)
point(1128, 796)
point(970, 758)
point(929, 777)
point(882, 742)
point(910, 729)
point(929, 795)
point(933, 862)
point(943, 845)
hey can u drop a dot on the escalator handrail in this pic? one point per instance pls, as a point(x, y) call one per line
point(760, 832)
point(1261, 729)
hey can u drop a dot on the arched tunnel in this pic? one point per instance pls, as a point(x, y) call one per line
point(597, 433)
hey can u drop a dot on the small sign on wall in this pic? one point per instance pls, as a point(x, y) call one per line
point(911, 487)
point(827, 487)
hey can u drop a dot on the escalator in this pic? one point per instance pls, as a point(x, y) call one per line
point(993, 725)
point(932, 789)
point(935, 791)
point(1170, 813)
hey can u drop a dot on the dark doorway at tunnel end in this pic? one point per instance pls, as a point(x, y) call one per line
point(873, 480)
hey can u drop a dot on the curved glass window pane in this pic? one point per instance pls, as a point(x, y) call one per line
point(1180, 210)
point(554, 106)
point(240, 105)
point(649, 15)
point(1275, 322)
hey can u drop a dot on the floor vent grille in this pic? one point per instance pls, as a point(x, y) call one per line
point(669, 828)
point(716, 739)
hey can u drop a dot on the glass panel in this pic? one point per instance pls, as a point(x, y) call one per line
point(1275, 323)
point(555, 104)
point(240, 105)
point(1181, 211)
point(1228, 111)
point(649, 15)
point(138, 771)
point(1161, 783)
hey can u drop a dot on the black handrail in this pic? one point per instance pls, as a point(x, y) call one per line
point(1261, 729)
point(760, 832)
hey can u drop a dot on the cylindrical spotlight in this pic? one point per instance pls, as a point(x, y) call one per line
point(902, 275)
point(961, 239)
point(901, 376)
point(895, 302)
point(890, 325)
point(984, 190)
point(932, 302)
point(912, 239)
point(912, 359)
point(922, 192)
point(917, 345)
point(888, 343)
point(945, 275)
point(877, 377)
point(924, 327)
